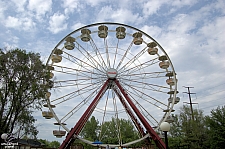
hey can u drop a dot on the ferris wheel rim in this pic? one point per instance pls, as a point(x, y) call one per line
point(110, 23)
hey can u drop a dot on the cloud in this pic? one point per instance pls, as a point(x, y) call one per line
point(181, 3)
point(77, 26)
point(20, 5)
point(40, 7)
point(95, 2)
point(151, 7)
point(25, 23)
point(71, 5)
point(118, 15)
point(57, 23)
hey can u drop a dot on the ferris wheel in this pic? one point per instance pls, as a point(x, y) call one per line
point(110, 70)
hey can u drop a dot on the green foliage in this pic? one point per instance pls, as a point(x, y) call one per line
point(90, 129)
point(110, 131)
point(216, 125)
point(22, 87)
point(186, 131)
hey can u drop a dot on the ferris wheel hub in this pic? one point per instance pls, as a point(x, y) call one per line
point(112, 73)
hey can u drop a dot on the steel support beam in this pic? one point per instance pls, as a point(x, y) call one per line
point(80, 124)
point(160, 144)
point(128, 110)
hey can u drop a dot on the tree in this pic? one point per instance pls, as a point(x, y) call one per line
point(187, 131)
point(216, 128)
point(22, 87)
point(90, 129)
point(109, 132)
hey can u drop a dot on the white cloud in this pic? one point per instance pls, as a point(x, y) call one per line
point(118, 15)
point(20, 4)
point(3, 7)
point(181, 3)
point(77, 26)
point(57, 23)
point(151, 7)
point(71, 5)
point(40, 7)
point(95, 2)
point(25, 24)
point(153, 31)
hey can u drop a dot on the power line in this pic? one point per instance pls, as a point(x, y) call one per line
point(210, 94)
point(213, 87)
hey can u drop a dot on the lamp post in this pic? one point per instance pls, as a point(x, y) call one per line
point(165, 127)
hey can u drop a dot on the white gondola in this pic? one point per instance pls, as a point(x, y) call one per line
point(69, 44)
point(120, 32)
point(137, 38)
point(164, 64)
point(56, 58)
point(169, 119)
point(47, 114)
point(85, 36)
point(59, 133)
point(152, 51)
point(177, 99)
point(171, 81)
point(102, 31)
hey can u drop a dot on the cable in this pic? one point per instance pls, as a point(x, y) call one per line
point(210, 94)
point(214, 87)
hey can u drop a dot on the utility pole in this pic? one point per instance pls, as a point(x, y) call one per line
point(189, 94)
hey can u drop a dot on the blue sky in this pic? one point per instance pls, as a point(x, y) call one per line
point(191, 32)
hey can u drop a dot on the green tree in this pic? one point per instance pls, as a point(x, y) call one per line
point(216, 128)
point(119, 129)
point(187, 131)
point(22, 87)
point(90, 129)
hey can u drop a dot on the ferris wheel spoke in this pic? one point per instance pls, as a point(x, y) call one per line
point(146, 75)
point(98, 54)
point(107, 52)
point(124, 55)
point(78, 92)
point(115, 54)
point(134, 58)
point(117, 118)
point(148, 84)
point(137, 92)
point(79, 72)
point(139, 67)
point(79, 106)
point(144, 111)
point(89, 57)
point(77, 60)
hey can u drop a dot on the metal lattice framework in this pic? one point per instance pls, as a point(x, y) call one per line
point(110, 70)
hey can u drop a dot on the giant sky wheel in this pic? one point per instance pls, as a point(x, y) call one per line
point(110, 71)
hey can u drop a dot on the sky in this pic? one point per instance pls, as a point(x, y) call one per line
point(191, 32)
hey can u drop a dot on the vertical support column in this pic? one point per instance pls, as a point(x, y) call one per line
point(160, 144)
